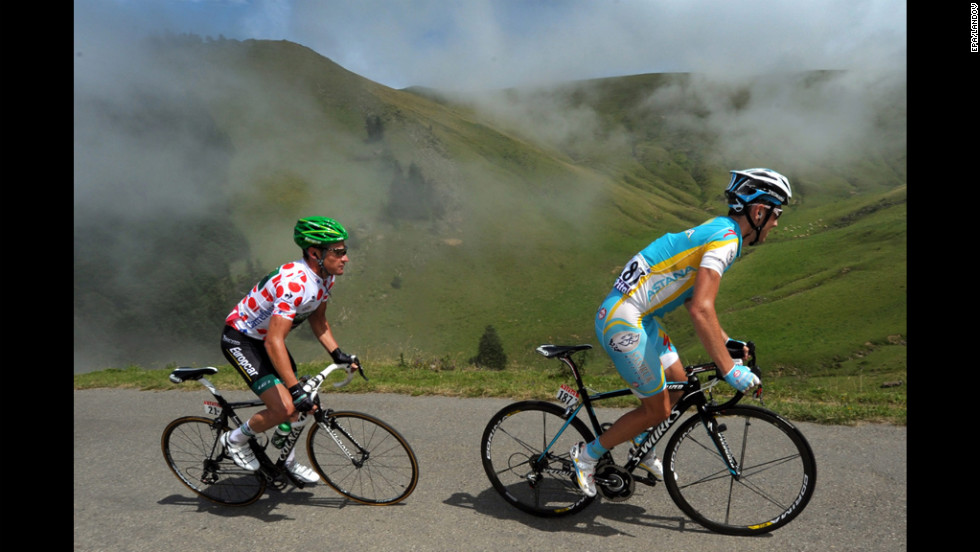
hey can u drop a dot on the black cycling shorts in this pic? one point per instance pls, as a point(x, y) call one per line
point(249, 357)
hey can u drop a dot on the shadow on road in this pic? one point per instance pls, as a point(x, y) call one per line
point(589, 521)
point(263, 508)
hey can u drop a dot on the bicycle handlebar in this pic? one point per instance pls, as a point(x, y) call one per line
point(313, 385)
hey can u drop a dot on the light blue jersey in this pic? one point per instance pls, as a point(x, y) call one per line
point(653, 283)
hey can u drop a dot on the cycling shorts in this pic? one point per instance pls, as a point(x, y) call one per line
point(637, 345)
point(250, 359)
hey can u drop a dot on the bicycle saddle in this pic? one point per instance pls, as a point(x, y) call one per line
point(184, 373)
point(551, 351)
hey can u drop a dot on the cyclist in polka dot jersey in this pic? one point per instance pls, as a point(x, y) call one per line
point(255, 331)
point(292, 291)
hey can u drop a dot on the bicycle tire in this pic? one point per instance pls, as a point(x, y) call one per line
point(511, 449)
point(190, 447)
point(778, 471)
point(384, 471)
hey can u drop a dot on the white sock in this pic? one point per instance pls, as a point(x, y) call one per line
point(240, 435)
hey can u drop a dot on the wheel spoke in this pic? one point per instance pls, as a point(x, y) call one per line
point(190, 448)
point(363, 458)
point(522, 468)
point(776, 471)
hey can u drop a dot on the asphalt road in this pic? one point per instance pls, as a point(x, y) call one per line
point(126, 499)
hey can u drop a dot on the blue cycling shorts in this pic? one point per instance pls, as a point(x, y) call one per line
point(638, 346)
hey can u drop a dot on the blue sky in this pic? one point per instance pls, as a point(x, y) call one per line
point(477, 44)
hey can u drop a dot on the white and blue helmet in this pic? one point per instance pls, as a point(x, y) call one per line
point(757, 186)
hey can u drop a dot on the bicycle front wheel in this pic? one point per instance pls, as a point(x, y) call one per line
point(191, 449)
point(525, 454)
point(777, 471)
point(363, 458)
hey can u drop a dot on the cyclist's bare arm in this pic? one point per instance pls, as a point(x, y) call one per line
point(275, 345)
point(701, 307)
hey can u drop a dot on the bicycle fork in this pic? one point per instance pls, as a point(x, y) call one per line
point(329, 426)
point(717, 433)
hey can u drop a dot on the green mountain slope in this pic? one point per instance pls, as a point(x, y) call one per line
point(511, 208)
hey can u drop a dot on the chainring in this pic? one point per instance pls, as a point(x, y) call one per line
point(613, 482)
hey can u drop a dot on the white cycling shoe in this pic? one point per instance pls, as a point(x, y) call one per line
point(584, 470)
point(653, 465)
point(303, 473)
point(241, 454)
point(650, 462)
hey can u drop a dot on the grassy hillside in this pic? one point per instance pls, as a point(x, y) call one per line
point(533, 200)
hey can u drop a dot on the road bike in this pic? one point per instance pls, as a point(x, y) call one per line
point(356, 454)
point(735, 469)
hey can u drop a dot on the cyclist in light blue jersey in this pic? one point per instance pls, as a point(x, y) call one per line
point(674, 270)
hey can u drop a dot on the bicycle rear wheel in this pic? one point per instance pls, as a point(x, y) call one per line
point(525, 454)
point(191, 449)
point(778, 471)
point(363, 458)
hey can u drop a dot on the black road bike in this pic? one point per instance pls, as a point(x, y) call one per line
point(358, 455)
point(736, 469)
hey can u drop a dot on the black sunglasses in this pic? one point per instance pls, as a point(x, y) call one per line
point(777, 211)
point(338, 251)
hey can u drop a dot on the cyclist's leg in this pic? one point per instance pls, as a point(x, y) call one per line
point(252, 362)
point(636, 347)
point(249, 358)
point(673, 371)
point(652, 411)
point(639, 351)
point(275, 398)
point(671, 362)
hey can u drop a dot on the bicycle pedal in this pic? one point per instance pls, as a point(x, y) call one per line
point(647, 480)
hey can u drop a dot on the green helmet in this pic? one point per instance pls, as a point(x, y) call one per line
point(317, 232)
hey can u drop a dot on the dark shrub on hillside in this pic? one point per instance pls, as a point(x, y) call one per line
point(490, 353)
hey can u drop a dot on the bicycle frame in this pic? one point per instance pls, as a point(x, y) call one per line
point(359, 456)
point(269, 469)
point(693, 397)
point(734, 468)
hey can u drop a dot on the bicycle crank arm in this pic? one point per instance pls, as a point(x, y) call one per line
point(614, 483)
